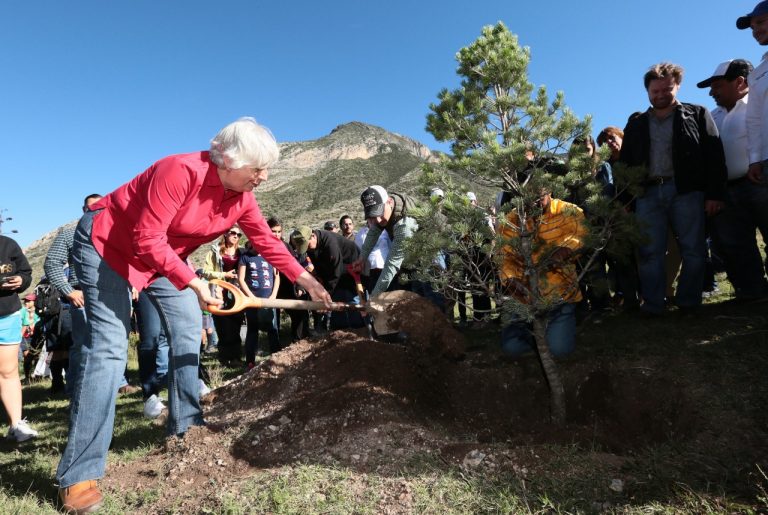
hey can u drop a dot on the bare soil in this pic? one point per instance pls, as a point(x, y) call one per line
point(349, 401)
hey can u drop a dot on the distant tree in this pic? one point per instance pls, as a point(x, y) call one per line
point(507, 136)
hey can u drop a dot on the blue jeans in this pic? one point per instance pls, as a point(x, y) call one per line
point(264, 319)
point(103, 356)
point(733, 232)
point(79, 337)
point(153, 347)
point(517, 339)
point(660, 207)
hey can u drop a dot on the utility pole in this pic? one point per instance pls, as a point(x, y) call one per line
point(4, 219)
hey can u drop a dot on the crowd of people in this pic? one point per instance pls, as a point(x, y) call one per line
point(126, 263)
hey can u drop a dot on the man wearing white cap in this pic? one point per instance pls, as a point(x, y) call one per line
point(746, 204)
point(757, 110)
point(387, 212)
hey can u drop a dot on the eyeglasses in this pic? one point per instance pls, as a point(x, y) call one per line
point(234, 233)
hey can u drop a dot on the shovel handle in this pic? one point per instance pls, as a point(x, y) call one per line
point(243, 301)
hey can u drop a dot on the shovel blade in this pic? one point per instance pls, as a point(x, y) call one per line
point(380, 307)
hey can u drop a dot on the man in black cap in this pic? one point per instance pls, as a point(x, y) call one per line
point(746, 204)
point(332, 254)
point(330, 226)
point(757, 109)
point(387, 212)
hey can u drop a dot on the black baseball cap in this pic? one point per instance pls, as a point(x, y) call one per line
point(728, 70)
point(744, 21)
point(373, 199)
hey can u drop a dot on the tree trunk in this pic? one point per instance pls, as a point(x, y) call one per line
point(548, 365)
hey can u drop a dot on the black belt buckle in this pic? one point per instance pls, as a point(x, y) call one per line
point(658, 180)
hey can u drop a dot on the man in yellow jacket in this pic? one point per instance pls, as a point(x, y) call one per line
point(550, 281)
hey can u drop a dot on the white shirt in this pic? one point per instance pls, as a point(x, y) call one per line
point(378, 255)
point(732, 126)
point(757, 112)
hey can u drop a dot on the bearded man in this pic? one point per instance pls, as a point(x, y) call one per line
point(679, 145)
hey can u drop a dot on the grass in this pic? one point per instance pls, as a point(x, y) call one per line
point(725, 356)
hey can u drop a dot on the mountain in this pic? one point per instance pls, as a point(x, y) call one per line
point(321, 179)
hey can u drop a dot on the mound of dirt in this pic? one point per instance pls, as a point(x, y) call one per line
point(350, 401)
point(423, 325)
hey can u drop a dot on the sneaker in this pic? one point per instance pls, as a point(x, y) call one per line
point(21, 432)
point(153, 407)
point(204, 390)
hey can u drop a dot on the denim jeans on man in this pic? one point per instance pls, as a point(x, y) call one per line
point(153, 347)
point(658, 209)
point(104, 353)
point(746, 209)
point(517, 339)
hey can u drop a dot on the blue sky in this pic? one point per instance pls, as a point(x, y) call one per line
point(93, 92)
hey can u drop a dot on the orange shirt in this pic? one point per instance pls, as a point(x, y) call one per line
point(561, 225)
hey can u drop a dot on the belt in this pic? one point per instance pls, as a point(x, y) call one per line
point(657, 180)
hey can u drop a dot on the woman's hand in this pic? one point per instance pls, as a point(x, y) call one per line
point(204, 297)
point(314, 288)
point(230, 275)
point(12, 282)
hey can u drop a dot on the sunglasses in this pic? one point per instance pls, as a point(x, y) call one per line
point(234, 233)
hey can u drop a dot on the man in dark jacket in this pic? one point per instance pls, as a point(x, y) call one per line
point(331, 254)
point(680, 147)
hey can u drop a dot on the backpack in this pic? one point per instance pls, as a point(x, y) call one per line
point(48, 299)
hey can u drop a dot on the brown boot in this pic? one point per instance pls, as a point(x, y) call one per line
point(82, 497)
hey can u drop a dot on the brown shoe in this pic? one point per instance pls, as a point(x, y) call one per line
point(128, 389)
point(82, 497)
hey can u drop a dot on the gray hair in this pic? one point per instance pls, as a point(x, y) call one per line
point(244, 143)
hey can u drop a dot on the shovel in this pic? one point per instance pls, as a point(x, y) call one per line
point(377, 306)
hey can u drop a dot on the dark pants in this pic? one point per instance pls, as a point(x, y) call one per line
point(260, 319)
point(299, 323)
point(746, 209)
point(346, 319)
point(228, 331)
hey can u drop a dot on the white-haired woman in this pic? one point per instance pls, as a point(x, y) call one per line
point(139, 235)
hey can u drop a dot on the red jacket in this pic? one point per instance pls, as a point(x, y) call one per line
point(150, 225)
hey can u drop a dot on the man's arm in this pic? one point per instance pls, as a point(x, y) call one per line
point(370, 241)
point(56, 260)
point(241, 279)
point(714, 158)
point(403, 230)
point(755, 130)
